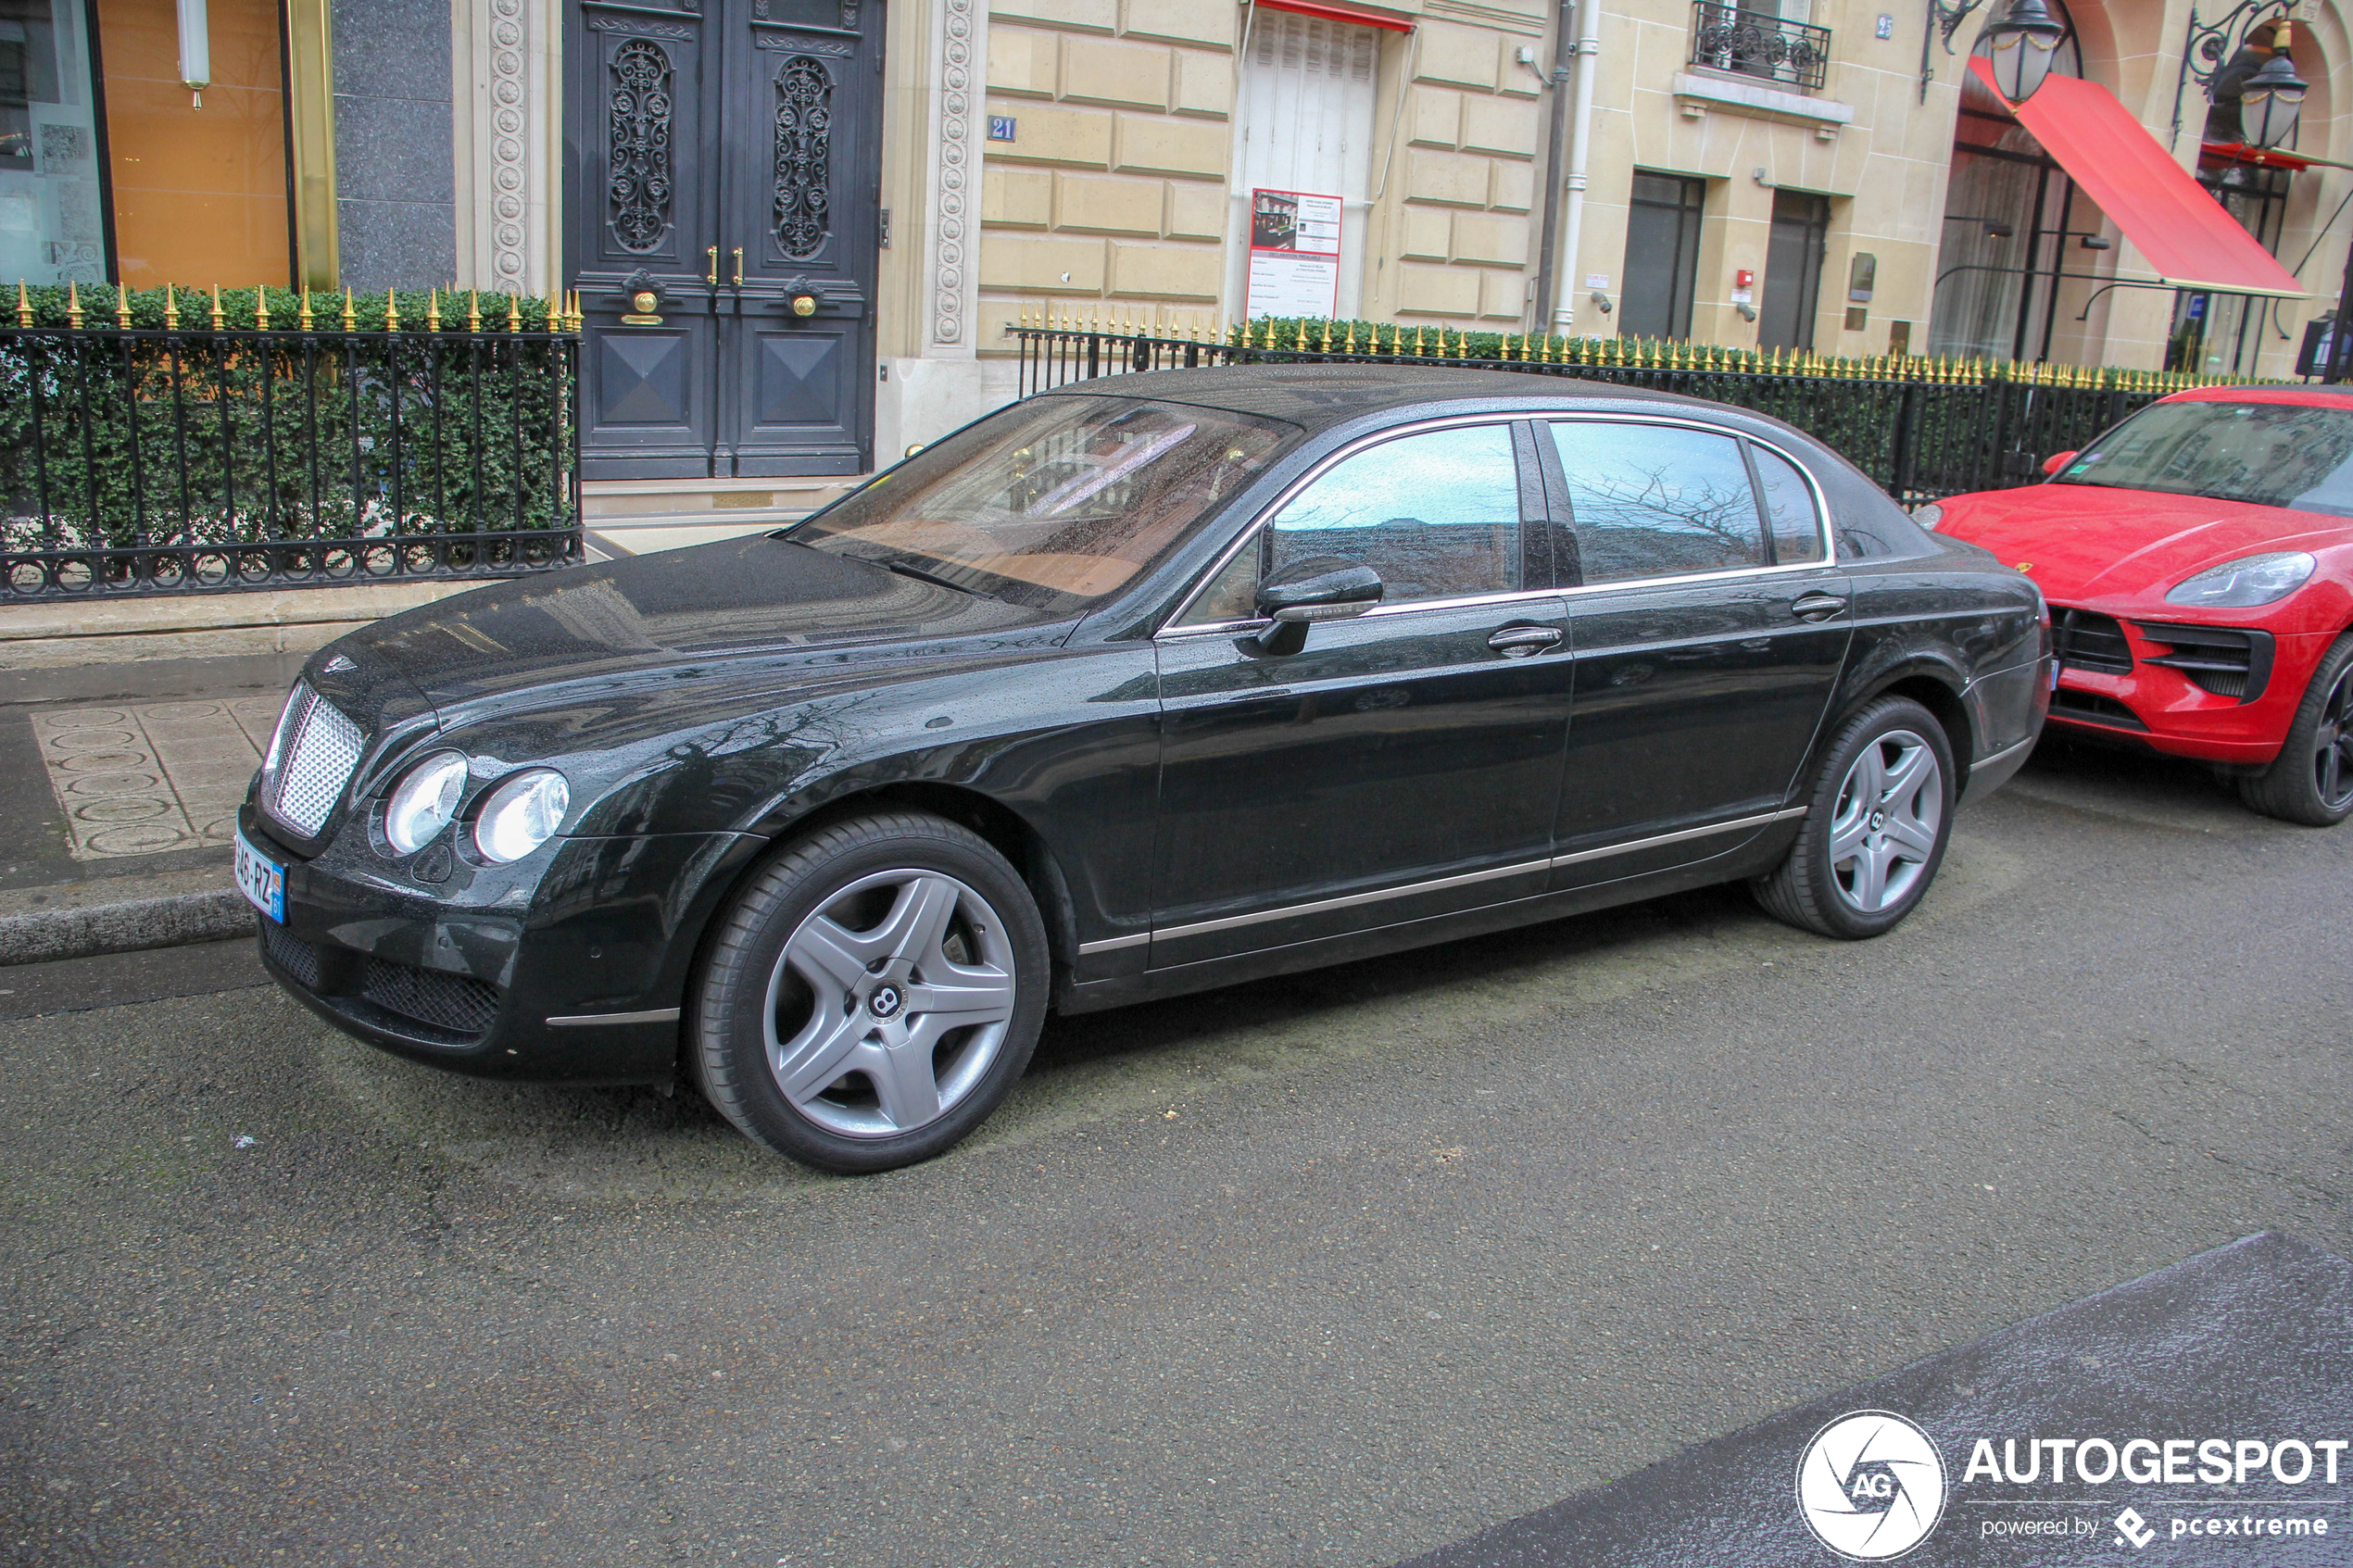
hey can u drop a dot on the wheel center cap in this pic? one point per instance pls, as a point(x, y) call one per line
point(1879, 820)
point(885, 1001)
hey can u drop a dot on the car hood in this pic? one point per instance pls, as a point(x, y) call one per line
point(738, 597)
point(2083, 541)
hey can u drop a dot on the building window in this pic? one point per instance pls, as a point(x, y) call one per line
point(1772, 39)
point(1662, 255)
point(1792, 270)
point(51, 200)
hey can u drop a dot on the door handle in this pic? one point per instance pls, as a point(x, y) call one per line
point(1518, 641)
point(1817, 607)
point(739, 266)
point(712, 277)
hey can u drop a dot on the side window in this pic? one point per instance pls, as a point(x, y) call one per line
point(1657, 500)
point(1232, 594)
point(1436, 514)
point(1789, 506)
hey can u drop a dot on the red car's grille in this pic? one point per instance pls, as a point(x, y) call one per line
point(2089, 707)
point(2088, 640)
point(2221, 659)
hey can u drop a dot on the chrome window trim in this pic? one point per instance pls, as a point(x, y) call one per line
point(1493, 873)
point(1177, 625)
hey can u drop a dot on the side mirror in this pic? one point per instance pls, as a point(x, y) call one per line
point(1315, 588)
point(2056, 461)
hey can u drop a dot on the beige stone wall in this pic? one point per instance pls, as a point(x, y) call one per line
point(1110, 199)
point(1452, 234)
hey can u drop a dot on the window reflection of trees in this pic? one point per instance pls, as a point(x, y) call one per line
point(1657, 502)
point(1436, 515)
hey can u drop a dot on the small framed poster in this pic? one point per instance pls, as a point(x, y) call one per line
point(1294, 254)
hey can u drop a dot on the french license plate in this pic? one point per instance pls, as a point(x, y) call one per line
point(261, 880)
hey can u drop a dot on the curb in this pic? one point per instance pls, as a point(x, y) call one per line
point(141, 924)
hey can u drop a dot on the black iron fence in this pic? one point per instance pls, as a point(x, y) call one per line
point(1924, 428)
point(165, 443)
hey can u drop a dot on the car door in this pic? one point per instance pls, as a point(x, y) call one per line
point(1401, 764)
point(1708, 624)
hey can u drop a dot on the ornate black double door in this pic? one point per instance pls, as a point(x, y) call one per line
point(724, 167)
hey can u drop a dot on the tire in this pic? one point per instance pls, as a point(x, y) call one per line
point(2311, 781)
point(872, 994)
point(1861, 864)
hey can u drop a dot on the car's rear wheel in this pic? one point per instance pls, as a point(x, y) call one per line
point(872, 995)
point(1878, 816)
point(2311, 781)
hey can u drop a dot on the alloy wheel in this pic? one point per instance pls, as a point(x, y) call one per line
point(2332, 745)
point(1883, 832)
point(888, 1003)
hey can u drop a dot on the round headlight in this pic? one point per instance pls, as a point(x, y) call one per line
point(423, 801)
point(2250, 580)
point(521, 814)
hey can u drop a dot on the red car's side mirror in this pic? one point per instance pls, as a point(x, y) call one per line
point(2056, 461)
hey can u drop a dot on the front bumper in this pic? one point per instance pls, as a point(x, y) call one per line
point(597, 933)
point(2161, 706)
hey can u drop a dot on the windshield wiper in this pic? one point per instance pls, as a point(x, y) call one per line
point(920, 575)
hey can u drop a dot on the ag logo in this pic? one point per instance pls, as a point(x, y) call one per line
point(1871, 1485)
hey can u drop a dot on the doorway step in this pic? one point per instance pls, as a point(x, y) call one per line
point(633, 517)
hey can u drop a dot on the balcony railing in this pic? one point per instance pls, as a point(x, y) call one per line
point(1726, 38)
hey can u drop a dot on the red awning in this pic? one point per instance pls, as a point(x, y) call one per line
point(2185, 232)
point(1349, 13)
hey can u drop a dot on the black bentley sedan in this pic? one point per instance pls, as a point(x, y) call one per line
point(1146, 686)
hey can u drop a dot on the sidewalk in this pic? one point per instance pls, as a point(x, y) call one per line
point(120, 784)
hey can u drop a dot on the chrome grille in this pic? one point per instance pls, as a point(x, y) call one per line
point(317, 749)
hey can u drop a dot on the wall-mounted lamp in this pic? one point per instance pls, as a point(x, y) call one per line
point(2273, 97)
point(195, 49)
point(2024, 39)
point(2094, 242)
point(1999, 231)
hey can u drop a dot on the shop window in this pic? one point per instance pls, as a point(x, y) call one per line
point(52, 212)
point(199, 194)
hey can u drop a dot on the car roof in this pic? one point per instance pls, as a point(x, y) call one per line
point(2313, 393)
point(1317, 396)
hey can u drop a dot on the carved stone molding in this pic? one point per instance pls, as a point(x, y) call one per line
point(957, 169)
point(508, 111)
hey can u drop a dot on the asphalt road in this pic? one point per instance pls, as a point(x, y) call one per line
point(1328, 1270)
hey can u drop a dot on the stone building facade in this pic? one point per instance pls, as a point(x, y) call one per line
point(800, 228)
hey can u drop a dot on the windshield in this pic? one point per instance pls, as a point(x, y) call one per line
point(2269, 453)
point(1051, 504)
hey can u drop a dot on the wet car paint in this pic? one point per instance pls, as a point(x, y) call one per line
point(708, 702)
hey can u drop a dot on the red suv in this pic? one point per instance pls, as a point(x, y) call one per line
point(2199, 563)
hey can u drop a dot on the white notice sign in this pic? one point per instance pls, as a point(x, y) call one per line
point(1294, 254)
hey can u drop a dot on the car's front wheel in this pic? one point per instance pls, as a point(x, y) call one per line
point(1878, 816)
point(2311, 781)
point(872, 994)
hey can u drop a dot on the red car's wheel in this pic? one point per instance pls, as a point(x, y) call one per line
point(2311, 782)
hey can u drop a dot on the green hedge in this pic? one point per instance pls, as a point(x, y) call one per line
point(207, 437)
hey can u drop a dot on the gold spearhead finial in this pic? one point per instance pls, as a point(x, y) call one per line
point(514, 312)
point(392, 312)
point(304, 321)
point(261, 308)
point(73, 305)
point(219, 320)
point(171, 310)
point(433, 310)
point(24, 305)
point(474, 310)
point(350, 316)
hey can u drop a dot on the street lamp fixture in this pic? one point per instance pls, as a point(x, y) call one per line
point(2024, 38)
point(2272, 98)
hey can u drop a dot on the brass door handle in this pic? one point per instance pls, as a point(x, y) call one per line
point(712, 277)
point(739, 266)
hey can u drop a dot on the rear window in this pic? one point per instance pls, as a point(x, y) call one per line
point(2267, 454)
